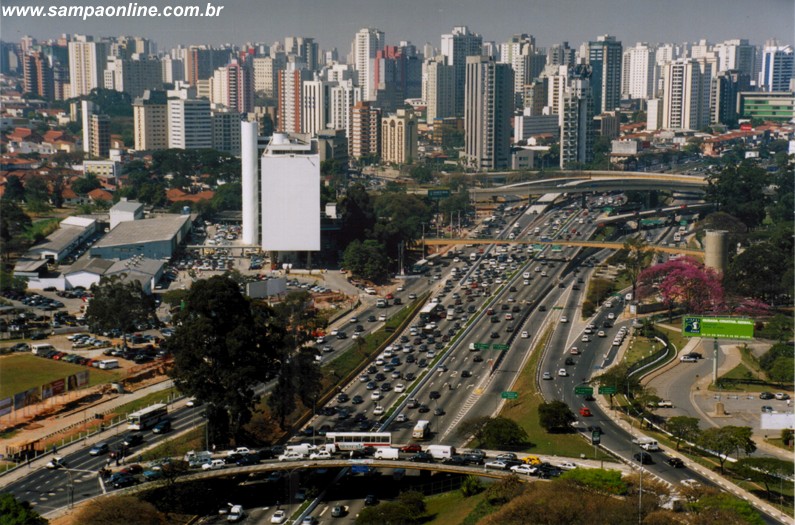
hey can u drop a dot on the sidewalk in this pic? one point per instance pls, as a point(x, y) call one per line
point(56, 424)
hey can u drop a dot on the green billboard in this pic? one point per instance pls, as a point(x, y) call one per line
point(718, 327)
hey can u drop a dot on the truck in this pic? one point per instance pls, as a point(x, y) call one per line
point(647, 444)
point(387, 453)
point(422, 430)
point(302, 448)
point(441, 451)
point(381, 303)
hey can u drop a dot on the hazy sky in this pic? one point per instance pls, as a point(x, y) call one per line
point(334, 22)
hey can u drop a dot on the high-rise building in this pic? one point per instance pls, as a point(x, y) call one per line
point(365, 134)
point(398, 76)
point(777, 68)
point(133, 75)
point(561, 55)
point(38, 75)
point(557, 80)
point(399, 137)
point(534, 97)
point(173, 70)
point(290, 93)
point(96, 130)
point(686, 93)
point(344, 94)
point(638, 74)
point(150, 121)
point(726, 89)
point(737, 55)
point(604, 57)
point(576, 132)
point(315, 106)
point(290, 194)
point(190, 124)
point(519, 53)
point(456, 47)
point(232, 86)
point(653, 114)
point(86, 65)
point(226, 130)
point(305, 48)
point(366, 43)
point(439, 89)
point(266, 73)
point(201, 62)
point(488, 108)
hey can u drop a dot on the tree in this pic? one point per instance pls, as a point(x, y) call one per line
point(473, 427)
point(15, 512)
point(739, 189)
point(15, 191)
point(471, 486)
point(228, 197)
point(720, 508)
point(112, 510)
point(119, 305)
point(387, 513)
point(501, 433)
point(723, 441)
point(400, 218)
point(685, 282)
point(357, 214)
point(555, 416)
point(618, 377)
point(758, 271)
point(37, 194)
point(763, 470)
point(682, 427)
point(86, 184)
point(600, 480)
point(14, 223)
point(366, 259)
point(222, 350)
point(638, 258)
point(421, 174)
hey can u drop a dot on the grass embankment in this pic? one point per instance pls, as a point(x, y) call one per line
point(450, 507)
point(748, 376)
point(525, 412)
point(641, 347)
point(194, 439)
point(20, 372)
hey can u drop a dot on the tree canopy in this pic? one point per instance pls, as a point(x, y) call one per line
point(15, 512)
point(727, 440)
point(685, 282)
point(119, 304)
point(738, 189)
point(366, 259)
point(555, 416)
point(222, 349)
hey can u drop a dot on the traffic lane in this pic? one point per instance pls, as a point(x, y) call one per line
point(676, 384)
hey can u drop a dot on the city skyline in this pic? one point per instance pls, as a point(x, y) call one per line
point(333, 24)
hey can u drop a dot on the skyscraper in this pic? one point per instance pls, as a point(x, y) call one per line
point(232, 86)
point(576, 132)
point(189, 124)
point(686, 93)
point(150, 121)
point(456, 47)
point(399, 137)
point(290, 94)
point(777, 68)
point(726, 88)
point(488, 107)
point(38, 75)
point(315, 110)
point(366, 43)
point(365, 134)
point(266, 73)
point(86, 65)
point(737, 55)
point(519, 53)
point(343, 96)
point(133, 75)
point(638, 72)
point(439, 89)
point(604, 57)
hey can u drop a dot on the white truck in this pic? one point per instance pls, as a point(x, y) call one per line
point(647, 444)
point(386, 453)
point(301, 448)
point(440, 451)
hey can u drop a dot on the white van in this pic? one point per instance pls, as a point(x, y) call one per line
point(386, 453)
point(108, 364)
point(647, 444)
point(440, 451)
point(303, 448)
point(35, 349)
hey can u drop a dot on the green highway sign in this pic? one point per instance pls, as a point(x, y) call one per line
point(500, 347)
point(438, 194)
point(583, 390)
point(482, 346)
point(718, 327)
point(510, 395)
point(610, 390)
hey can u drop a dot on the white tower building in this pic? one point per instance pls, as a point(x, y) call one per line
point(248, 160)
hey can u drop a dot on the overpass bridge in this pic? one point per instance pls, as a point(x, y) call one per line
point(582, 244)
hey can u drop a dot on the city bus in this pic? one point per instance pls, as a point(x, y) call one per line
point(147, 417)
point(431, 312)
point(359, 440)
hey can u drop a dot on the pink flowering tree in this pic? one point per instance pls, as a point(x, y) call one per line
point(685, 282)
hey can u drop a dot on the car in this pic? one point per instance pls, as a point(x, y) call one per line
point(563, 373)
point(766, 395)
point(611, 316)
point(376, 395)
point(411, 448)
point(644, 458)
point(133, 438)
point(586, 338)
point(675, 462)
point(399, 388)
point(434, 394)
point(280, 516)
point(686, 358)
point(421, 457)
point(524, 469)
point(162, 427)
point(506, 455)
point(497, 464)
point(466, 373)
point(691, 483)
point(342, 398)
point(782, 396)
point(767, 409)
point(547, 376)
point(56, 463)
point(567, 465)
point(99, 449)
point(370, 500)
point(574, 351)
point(525, 334)
point(423, 409)
point(193, 402)
point(321, 454)
point(569, 361)
point(337, 511)
point(494, 335)
point(601, 333)
point(378, 410)
point(401, 418)
point(438, 411)
point(125, 480)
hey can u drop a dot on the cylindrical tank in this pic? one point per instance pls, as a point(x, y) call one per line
point(250, 182)
point(716, 250)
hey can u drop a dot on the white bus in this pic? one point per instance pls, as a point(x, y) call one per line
point(422, 430)
point(359, 440)
point(147, 417)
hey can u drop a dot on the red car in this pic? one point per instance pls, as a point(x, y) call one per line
point(411, 447)
point(584, 411)
point(390, 296)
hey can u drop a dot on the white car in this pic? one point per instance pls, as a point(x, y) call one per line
point(279, 516)
point(291, 456)
point(611, 316)
point(323, 454)
point(378, 410)
point(214, 464)
point(376, 395)
point(399, 289)
point(547, 376)
point(333, 332)
point(55, 463)
point(601, 333)
point(525, 334)
point(527, 470)
point(562, 372)
point(401, 418)
point(399, 388)
point(586, 338)
point(496, 464)
point(382, 317)
point(564, 319)
point(574, 351)
point(567, 465)
point(320, 340)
